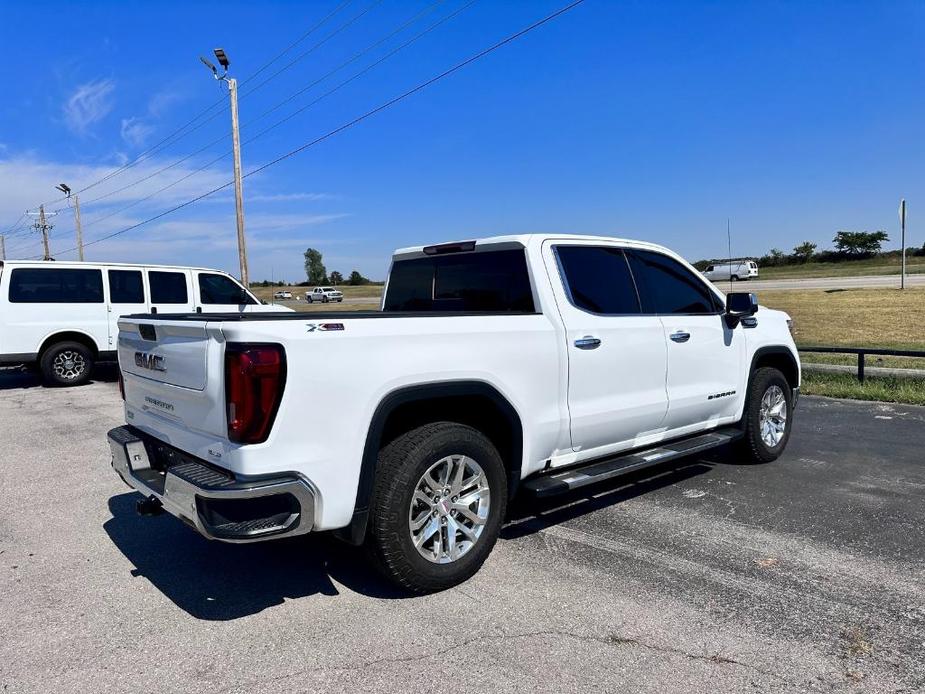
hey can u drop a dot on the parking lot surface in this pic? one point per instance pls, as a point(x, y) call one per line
point(706, 576)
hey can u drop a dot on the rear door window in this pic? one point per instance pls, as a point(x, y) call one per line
point(218, 289)
point(598, 279)
point(486, 281)
point(168, 287)
point(56, 286)
point(126, 287)
point(667, 287)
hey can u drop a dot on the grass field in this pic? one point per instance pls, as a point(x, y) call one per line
point(885, 265)
point(887, 318)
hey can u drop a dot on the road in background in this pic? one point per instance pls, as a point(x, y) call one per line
point(869, 281)
point(706, 576)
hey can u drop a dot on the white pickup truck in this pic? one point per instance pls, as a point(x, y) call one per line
point(532, 364)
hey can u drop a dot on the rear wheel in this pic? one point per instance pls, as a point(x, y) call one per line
point(66, 364)
point(768, 415)
point(734, 278)
point(437, 506)
point(309, 298)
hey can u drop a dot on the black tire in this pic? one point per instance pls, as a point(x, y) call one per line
point(753, 445)
point(324, 300)
point(66, 364)
point(309, 298)
point(402, 464)
point(734, 278)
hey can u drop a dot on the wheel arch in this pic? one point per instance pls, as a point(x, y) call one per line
point(411, 406)
point(70, 336)
point(779, 357)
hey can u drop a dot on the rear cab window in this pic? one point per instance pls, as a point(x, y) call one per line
point(597, 279)
point(56, 286)
point(485, 281)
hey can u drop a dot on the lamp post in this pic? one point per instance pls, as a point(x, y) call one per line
point(80, 236)
point(232, 83)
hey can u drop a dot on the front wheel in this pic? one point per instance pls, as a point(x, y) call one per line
point(324, 300)
point(66, 364)
point(437, 506)
point(768, 415)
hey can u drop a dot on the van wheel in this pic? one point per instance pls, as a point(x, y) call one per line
point(437, 506)
point(734, 278)
point(66, 364)
point(768, 416)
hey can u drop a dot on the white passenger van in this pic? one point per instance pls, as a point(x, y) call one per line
point(63, 317)
point(734, 270)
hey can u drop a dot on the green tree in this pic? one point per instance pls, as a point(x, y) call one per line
point(859, 243)
point(804, 251)
point(357, 279)
point(336, 277)
point(314, 268)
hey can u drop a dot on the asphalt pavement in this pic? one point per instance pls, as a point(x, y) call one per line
point(706, 576)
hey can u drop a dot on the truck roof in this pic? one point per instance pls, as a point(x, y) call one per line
point(91, 264)
point(529, 239)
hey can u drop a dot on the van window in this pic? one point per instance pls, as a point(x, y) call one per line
point(598, 279)
point(218, 289)
point(667, 287)
point(56, 286)
point(486, 281)
point(125, 287)
point(168, 287)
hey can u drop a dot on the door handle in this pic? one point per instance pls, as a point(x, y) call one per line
point(680, 336)
point(587, 342)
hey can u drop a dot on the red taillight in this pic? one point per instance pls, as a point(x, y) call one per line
point(254, 380)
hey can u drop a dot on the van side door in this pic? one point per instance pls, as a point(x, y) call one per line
point(616, 355)
point(127, 295)
point(170, 291)
point(705, 356)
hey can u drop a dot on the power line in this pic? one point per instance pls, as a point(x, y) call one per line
point(359, 119)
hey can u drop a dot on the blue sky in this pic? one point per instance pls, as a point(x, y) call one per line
point(645, 120)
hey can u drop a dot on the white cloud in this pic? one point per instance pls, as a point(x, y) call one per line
point(89, 104)
point(135, 131)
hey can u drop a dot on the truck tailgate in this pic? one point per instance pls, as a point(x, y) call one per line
point(173, 370)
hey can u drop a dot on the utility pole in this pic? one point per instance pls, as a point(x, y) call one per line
point(80, 236)
point(236, 146)
point(902, 224)
point(43, 226)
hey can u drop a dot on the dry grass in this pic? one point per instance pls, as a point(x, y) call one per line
point(854, 317)
point(373, 291)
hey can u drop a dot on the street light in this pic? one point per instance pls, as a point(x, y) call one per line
point(232, 83)
point(64, 188)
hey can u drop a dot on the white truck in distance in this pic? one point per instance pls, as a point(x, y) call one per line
point(532, 364)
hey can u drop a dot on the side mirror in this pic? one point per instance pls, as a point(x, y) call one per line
point(740, 305)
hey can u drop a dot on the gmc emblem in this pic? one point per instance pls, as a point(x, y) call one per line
point(153, 362)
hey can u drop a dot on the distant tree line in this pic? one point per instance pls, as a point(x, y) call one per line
point(848, 245)
point(317, 273)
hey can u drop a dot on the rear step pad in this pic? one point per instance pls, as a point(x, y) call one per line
point(559, 481)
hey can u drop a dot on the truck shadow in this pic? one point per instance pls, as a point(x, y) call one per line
point(220, 581)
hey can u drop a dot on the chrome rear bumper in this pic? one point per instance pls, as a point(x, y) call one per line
point(216, 503)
